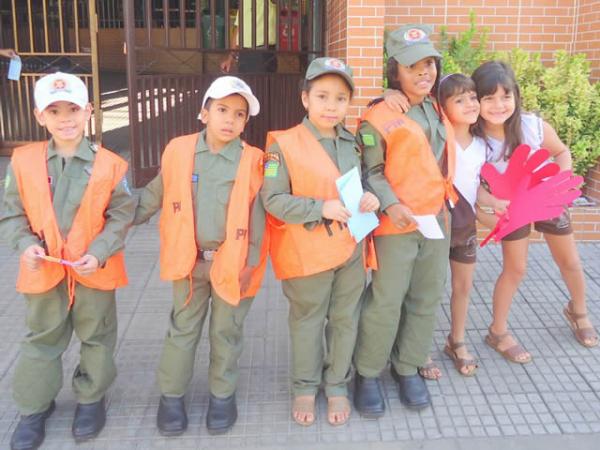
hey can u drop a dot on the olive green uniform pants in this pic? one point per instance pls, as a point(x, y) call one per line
point(328, 301)
point(39, 373)
point(185, 327)
point(400, 306)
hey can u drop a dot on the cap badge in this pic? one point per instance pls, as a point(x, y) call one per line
point(335, 64)
point(415, 35)
point(59, 85)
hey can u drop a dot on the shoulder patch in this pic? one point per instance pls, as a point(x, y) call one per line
point(271, 161)
point(368, 139)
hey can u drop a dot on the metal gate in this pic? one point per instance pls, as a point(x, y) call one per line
point(174, 50)
point(49, 35)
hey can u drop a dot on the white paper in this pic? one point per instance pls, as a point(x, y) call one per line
point(429, 226)
point(350, 188)
point(14, 69)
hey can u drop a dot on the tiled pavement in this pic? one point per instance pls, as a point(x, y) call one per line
point(557, 395)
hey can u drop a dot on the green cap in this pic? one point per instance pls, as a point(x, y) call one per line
point(410, 44)
point(322, 66)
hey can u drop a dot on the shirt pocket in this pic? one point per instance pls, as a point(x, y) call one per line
point(76, 190)
point(224, 193)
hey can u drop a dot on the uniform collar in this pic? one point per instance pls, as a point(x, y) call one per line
point(230, 151)
point(340, 131)
point(85, 150)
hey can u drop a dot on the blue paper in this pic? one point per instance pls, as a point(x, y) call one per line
point(14, 69)
point(350, 188)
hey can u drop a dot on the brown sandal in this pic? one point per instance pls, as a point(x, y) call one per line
point(427, 373)
point(338, 405)
point(581, 334)
point(511, 353)
point(304, 404)
point(459, 363)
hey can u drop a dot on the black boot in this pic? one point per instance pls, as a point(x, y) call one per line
point(412, 389)
point(368, 397)
point(31, 430)
point(171, 418)
point(222, 414)
point(89, 420)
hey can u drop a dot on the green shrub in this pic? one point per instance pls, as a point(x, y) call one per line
point(466, 51)
point(561, 93)
point(564, 97)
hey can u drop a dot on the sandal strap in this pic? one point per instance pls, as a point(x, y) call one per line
point(513, 352)
point(454, 345)
point(497, 338)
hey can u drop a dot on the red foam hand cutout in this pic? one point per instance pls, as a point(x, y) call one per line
point(531, 203)
point(536, 189)
point(520, 165)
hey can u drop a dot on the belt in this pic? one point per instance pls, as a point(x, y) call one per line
point(206, 255)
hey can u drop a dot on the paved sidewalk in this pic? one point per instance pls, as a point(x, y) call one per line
point(552, 403)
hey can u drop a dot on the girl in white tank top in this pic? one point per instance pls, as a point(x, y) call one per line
point(504, 126)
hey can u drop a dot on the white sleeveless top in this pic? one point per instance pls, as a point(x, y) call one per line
point(533, 135)
point(468, 167)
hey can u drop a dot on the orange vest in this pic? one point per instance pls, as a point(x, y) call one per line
point(178, 250)
point(410, 165)
point(296, 251)
point(31, 172)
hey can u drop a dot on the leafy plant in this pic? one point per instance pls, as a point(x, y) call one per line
point(560, 93)
point(466, 51)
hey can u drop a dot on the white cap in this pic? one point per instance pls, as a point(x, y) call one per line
point(228, 85)
point(60, 87)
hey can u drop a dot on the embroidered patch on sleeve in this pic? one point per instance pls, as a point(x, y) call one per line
point(271, 169)
point(368, 139)
point(271, 164)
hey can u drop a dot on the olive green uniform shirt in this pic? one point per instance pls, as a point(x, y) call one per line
point(68, 179)
point(276, 190)
point(374, 149)
point(212, 181)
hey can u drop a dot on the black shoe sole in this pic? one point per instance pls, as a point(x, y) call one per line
point(370, 415)
point(166, 433)
point(218, 431)
point(87, 437)
point(415, 407)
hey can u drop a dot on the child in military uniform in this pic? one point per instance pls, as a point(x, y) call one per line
point(312, 251)
point(409, 163)
point(211, 231)
point(67, 209)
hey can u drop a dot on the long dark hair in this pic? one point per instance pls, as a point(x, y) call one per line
point(392, 77)
point(488, 77)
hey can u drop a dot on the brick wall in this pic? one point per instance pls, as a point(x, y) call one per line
point(587, 33)
point(537, 25)
point(360, 43)
point(336, 28)
point(592, 183)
